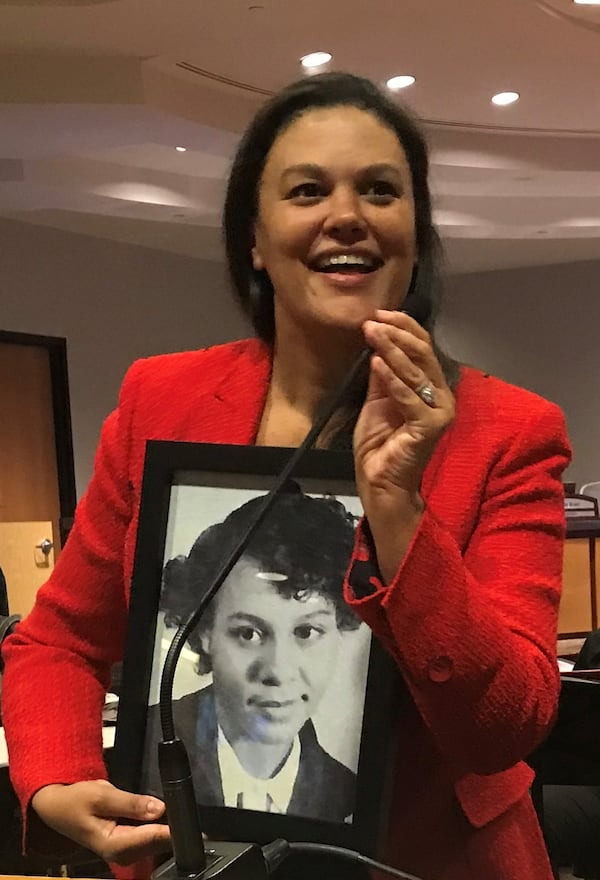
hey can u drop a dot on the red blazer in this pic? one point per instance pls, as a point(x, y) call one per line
point(470, 616)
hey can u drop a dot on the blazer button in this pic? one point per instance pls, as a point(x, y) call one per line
point(440, 668)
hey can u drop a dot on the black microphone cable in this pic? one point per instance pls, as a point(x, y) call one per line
point(274, 854)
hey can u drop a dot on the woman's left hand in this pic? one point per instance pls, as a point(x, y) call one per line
point(397, 430)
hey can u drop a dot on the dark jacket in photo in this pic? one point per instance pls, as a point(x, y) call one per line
point(324, 787)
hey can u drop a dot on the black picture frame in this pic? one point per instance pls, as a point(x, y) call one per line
point(168, 467)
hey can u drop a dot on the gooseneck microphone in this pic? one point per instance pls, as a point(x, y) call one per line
point(173, 762)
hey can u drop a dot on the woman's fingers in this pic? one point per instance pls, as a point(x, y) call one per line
point(403, 321)
point(127, 843)
point(109, 801)
point(393, 334)
point(92, 814)
point(415, 410)
point(419, 391)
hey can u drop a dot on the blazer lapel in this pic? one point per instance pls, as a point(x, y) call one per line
point(231, 409)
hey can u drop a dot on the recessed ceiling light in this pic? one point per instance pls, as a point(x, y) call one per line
point(400, 82)
point(181, 149)
point(315, 59)
point(504, 98)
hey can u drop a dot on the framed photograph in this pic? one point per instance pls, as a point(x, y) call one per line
point(284, 700)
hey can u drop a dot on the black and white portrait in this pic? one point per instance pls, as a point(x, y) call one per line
point(270, 689)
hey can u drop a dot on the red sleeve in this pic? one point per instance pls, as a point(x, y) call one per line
point(58, 661)
point(474, 631)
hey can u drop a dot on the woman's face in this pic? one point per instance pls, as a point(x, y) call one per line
point(336, 227)
point(272, 657)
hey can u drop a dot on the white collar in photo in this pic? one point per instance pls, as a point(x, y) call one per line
point(240, 789)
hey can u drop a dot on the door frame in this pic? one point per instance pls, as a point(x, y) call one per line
point(56, 346)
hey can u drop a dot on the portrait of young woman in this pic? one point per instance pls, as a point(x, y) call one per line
point(269, 651)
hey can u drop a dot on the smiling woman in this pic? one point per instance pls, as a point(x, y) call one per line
point(455, 568)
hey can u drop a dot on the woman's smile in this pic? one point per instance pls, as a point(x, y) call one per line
point(347, 268)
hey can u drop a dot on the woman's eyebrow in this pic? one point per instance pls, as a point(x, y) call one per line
point(322, 612)
point(247, 617)
point(310, 169)
point(305, 169)
point(385, 168)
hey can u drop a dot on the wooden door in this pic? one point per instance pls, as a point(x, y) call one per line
point(29, 487)
point(26, 563)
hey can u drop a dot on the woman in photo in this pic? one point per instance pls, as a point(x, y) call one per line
point(271, 639)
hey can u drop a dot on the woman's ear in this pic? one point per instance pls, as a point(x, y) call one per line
point(257, 261)
point(205, 642)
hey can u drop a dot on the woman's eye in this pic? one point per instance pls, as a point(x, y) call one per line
point(306, 191)
point(382, 190)
point(246, 634)
point(306, 632)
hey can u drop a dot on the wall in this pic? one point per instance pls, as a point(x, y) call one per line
point(113, 302)
point(539, 328)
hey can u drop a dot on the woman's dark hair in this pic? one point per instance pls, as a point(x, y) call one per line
point(307, 539)
point(253, 288)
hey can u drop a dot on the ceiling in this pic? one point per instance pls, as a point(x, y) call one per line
point(96, 94)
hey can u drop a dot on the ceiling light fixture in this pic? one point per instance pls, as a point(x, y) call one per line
point(315, 59)
point(587, 2)
point(181, 149)
point(503, 99)
point(400, 82)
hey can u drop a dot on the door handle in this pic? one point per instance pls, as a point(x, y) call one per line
point(45, 546)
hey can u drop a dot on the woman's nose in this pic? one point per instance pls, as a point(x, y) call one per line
point(345, 220)
point(278, 664)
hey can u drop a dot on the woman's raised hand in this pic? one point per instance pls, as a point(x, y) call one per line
point(407, 409)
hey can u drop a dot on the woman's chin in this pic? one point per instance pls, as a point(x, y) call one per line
point(350, 319)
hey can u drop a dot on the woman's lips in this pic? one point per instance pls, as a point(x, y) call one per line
point(348, 280)
point(273, 704)
point(277, 711)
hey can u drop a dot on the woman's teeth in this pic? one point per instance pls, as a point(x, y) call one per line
point(346, 263)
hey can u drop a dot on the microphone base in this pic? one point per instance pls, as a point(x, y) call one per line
point(224, 861)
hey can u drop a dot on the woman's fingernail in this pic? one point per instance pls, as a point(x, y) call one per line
point(153, 808)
